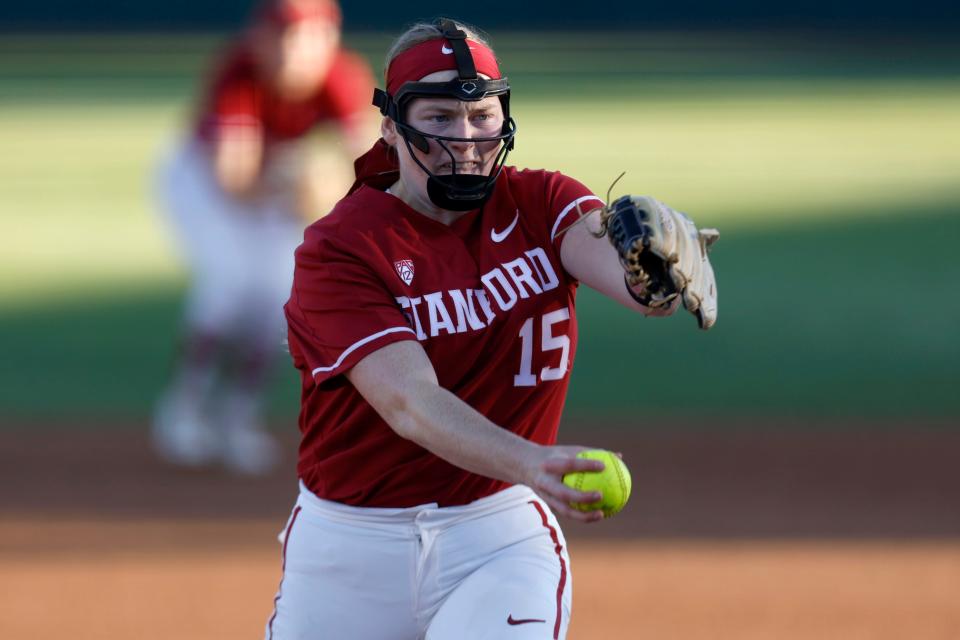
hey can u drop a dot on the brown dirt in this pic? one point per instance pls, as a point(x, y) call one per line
point(752, 533)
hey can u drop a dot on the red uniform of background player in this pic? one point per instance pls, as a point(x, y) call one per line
point(433, 321)
point(238, 193)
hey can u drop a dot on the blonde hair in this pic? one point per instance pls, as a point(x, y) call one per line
point(425, 31)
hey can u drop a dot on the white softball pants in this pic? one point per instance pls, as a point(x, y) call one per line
point(240, 254)
point(494, 569)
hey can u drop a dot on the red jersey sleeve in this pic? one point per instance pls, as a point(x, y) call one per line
point(566, 199)
point(234, 97)
point(348, 88)
point(339, 311)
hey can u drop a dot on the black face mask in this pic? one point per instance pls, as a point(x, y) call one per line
point(458, 191)
point(454, 191)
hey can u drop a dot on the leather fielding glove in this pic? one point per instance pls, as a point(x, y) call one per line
point(663, 254)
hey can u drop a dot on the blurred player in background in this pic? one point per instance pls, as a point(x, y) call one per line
point(238, 192)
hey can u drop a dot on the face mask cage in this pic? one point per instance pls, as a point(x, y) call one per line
point(455, 191)
point(459, 191)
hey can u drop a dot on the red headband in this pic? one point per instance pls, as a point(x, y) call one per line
point(282, 13)
point(436, 55)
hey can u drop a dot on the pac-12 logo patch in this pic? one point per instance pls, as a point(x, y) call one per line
point(404, 270)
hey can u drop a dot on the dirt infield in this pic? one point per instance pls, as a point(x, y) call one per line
point(642, 589)
point(741, 534)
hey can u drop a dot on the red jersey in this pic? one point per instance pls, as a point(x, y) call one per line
point(240, 96)
point(486, 296)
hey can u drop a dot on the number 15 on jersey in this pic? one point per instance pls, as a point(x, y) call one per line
point(548, 342)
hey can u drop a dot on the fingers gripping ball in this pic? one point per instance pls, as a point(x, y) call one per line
point(613, 483)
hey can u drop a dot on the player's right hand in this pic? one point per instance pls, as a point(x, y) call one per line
point(544, 475)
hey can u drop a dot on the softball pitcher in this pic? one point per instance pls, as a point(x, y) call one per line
point(433, 321)
point(238, 193)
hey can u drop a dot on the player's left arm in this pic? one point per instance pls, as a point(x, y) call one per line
point(593, 261)
point(348, 90)
point(326, 176)
point(329, 172)
point(357, 132)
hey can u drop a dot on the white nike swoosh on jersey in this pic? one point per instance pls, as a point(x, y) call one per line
point(499, 237)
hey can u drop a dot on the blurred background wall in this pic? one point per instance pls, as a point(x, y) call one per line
point(535, 14)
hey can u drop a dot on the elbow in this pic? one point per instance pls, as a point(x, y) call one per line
point(399, 411)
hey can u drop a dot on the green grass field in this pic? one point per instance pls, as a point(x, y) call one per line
point(830, 164)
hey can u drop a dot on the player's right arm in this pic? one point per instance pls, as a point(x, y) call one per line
point(399, 382)
point(230, 123)
point(237, 157)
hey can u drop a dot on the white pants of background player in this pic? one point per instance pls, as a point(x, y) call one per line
point(494, 569)
point(240, 257)
point(240, 254)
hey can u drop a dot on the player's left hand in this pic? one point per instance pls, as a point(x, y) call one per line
point(663, 254)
